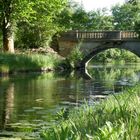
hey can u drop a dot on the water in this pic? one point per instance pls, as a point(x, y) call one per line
point(29, 102)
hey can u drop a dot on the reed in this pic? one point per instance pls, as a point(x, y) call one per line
point(117, 117)
point(27, 62)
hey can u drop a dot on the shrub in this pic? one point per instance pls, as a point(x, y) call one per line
point(76, 55)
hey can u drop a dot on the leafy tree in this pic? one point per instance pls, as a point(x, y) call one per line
point(93, 20)
point(100, 20)
point(127, 16)
point(10, 11)
point(123, 17)
point(80, 19)
point(136, 4)
point(39, 31)
point(65, 19)
point(42, 12)
point(74, 17)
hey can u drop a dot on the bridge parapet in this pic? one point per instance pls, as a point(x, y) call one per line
point(99, 35)
point(129, 35)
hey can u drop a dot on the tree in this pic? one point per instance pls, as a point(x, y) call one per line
point(39, 31)
point(93, 20)
point(13, 11)
point(123, 17)
point(10, 11)
point(100, 20)
point(80, 19)
point(65, 19)
point(136, 4)
point(74, 17)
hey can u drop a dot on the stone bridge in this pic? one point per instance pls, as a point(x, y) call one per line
point(92, 43)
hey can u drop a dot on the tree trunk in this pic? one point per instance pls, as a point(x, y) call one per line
point(8, 37)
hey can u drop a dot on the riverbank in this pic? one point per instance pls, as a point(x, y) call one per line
point(41, 60)
point(30, 61)
point(116, 117)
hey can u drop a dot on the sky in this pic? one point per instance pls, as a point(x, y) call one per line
point(95, 4)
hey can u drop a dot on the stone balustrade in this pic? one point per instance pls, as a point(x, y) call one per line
point(100, 35)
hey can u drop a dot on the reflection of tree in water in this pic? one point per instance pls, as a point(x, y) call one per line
point(114, 78)
point(8, 105)
point(113, 73)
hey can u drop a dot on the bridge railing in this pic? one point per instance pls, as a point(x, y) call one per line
point(129, 35)
point(100, 35)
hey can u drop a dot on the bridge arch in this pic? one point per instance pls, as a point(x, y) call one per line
point(133, 47)
point(94, 42)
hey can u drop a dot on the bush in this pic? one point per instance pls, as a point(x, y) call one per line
point(75, 56)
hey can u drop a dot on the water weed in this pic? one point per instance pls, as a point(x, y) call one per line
point(115, 118)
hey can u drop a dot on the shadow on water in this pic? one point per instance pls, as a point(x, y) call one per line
point(29, 102)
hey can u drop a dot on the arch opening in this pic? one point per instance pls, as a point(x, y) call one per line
point(115, 54)
point(125, 53)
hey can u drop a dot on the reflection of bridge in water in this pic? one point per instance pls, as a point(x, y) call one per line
point(92, 43)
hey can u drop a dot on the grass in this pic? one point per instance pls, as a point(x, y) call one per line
point(115, 118)
point(27, 62)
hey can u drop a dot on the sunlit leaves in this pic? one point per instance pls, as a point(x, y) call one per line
point(125, 16)
point(28, 9)
point(38, 15)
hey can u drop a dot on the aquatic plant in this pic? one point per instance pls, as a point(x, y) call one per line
point(27, 62)
point(117, 117)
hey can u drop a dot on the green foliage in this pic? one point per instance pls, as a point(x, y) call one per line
point(32, 36)
point(110, 72)
point(74, 17)
point(80, 19)
point(93, 20)
point(125, 16)
point(37, 21)
point(28, 10)
point(137, 27)
point(137, 23)
point(134, 2)
point(118, 55)
point(27, 62)
point(114, 118)
point(100, 20)
point(0, 40)
point(64, 19)
point(39, 31)
point(63, 114)
point(34, 20)
point(75, 55)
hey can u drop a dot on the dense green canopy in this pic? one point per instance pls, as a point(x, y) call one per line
point(35, 13)
point(32, 23)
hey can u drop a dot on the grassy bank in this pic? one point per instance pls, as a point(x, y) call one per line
point(28, 62)
point(115, 118)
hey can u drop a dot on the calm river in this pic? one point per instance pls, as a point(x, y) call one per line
point(30, 101)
